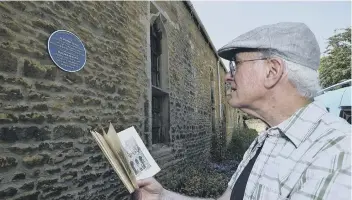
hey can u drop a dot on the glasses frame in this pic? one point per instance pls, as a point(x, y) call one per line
point(237, 63)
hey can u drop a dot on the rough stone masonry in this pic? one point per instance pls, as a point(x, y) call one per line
point(46, 151)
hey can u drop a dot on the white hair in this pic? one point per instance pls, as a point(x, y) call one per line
point(304, 79)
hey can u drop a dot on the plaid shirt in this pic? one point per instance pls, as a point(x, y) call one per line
point(308, 156)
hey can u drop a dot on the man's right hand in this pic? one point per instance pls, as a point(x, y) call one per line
point(149, 189)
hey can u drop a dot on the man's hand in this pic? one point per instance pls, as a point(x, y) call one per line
point(149, 189)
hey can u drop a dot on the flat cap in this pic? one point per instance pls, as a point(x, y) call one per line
point(293, 41)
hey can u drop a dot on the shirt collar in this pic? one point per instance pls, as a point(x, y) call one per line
point(302, 123)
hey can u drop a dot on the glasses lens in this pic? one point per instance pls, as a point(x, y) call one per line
point(232, 68)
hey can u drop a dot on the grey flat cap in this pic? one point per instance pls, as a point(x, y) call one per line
point(292, 41)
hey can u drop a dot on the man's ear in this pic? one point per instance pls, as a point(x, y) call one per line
point(274, 71)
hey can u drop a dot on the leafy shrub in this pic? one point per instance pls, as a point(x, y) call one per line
point(199, 180)
point(240, 141)
point(207, 179)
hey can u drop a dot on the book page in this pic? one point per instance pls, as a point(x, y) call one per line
point(113, 161)
point(115, 145)
point(143, 164)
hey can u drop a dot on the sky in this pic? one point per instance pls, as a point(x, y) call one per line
point(225, 20)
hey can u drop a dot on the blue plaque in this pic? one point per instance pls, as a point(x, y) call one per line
point(67, 51)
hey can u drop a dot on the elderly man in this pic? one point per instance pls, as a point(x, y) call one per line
point(305, 153)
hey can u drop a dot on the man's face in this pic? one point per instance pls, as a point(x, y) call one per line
point(247, 81)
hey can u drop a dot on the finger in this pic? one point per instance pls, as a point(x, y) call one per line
point(145, 182)
point(135, 195)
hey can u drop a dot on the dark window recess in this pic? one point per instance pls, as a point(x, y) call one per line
point(155, 42)
point(160, 116)
point(157, 120)
point(345, 113)
point(212, 109)
point(160, 97)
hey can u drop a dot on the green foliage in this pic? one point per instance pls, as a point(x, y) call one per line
point(198, 180)
point(206, 179)
point(336, 65)
point(240, 141)
point(218, 147)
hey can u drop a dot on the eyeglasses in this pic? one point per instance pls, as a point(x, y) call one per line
point(237, 63)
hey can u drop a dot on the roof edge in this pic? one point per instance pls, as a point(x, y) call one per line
point(203, 31)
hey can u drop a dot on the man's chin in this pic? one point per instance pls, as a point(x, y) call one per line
point(235, 104)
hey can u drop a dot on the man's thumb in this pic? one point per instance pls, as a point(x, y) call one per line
point(145, 182)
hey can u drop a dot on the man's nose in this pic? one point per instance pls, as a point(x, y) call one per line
point(228, 77)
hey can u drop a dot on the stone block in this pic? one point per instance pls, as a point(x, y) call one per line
point(4, 8)
point(53, 170)
point(57, 106)
point(10, 94)
point(32, 117)
point(51, 87)
point(12, 134)
point(12, 25)
point(99, 184)
point(40, 107)
point(83, 101)
point(73, 152)
point(69, 175)
point(27, 186)
point(87, 168)
point(72, 78)
point(67, 165)
point(28, 196)
point(79, 163)
point(53, 190)
point(52, 194)
point(108, 86)
point(8, 118)
point(96, 158)
point(6, 32)
point(69, 131)
point(7, 162)
point(85, 140)
point(44, 146)
point(52, 119)
point(61, 145)
point(8, 62)
point(83, 191)
point(19, 6)
point(43, 183)
point(33, 69)
point(65, 197)
point(108, 173)
point(19, 176)
point(14, 108)
point(91, 149)
point(90, 177)
point(8, 192)
point(37, 96)
point(44, 25)
point(58, 158)
point(36, 160)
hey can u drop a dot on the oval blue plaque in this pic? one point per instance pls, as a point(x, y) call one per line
point(67, 51)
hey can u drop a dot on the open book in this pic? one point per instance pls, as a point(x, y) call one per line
point(127, 155)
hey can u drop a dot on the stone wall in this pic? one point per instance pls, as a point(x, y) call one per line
point(46, 114)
